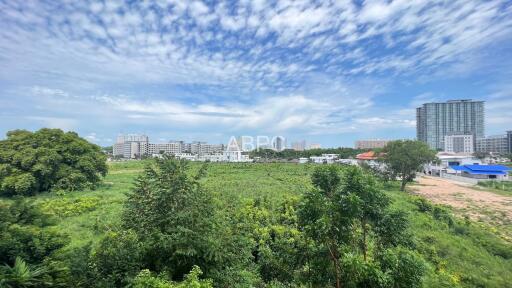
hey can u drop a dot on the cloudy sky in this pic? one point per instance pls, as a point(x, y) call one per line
point(329, 72)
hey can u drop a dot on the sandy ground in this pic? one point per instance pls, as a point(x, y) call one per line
point(478, 204)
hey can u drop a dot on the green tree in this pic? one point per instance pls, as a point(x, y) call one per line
point(343, 215)
point(326, 214)
point(168, 210)
point(32, 162)
point(371, 201)
point(177, 223)
point(406, 157)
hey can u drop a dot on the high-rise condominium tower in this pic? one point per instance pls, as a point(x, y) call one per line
point(434, 121)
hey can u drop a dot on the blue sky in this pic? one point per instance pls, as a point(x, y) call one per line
point(329, 72)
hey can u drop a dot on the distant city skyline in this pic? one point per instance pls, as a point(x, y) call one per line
point(329, 72)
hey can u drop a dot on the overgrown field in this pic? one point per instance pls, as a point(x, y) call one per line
point(460, 253)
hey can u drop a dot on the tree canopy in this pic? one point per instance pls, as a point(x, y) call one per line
point(403, 158)
point(32, 162)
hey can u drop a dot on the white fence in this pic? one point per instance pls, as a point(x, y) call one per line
point(460, 178)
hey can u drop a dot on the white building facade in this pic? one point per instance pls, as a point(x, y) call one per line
point(459, 144)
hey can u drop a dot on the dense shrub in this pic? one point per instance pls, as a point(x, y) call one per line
point(69, 207)
point(26, 232)
point(32, 162)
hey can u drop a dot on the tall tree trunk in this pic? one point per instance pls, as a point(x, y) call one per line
point(402, 186)
point(335, 263)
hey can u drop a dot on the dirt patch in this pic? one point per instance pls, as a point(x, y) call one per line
point(479, 205)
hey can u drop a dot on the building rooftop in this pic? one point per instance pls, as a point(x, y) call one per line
point(370, 155)
point(482, 169)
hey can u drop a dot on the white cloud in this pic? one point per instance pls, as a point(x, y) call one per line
point(66, 124)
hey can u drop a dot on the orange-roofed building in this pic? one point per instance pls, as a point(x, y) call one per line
point(370, 155)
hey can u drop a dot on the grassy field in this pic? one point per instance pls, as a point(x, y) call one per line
point(502, 188)
point(462, 254)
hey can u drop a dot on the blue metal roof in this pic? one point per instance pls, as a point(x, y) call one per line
point(488, 167)
point(482, 169)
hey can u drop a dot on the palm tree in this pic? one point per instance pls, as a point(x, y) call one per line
point(22, 275)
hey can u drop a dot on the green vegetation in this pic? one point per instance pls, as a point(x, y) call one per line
point(48, 159)
point(500, 187)
point(289, 154)
point(258, 224)
point(404, 158)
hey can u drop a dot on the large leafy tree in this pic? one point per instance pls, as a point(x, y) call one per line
point(403, 158)
point(31, 162)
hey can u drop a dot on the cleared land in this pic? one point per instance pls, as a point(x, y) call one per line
point(476, 203)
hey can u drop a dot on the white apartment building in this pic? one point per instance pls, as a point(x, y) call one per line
point(134, 146)
point(459, 144)
point(371, 144)
point(129, 146)
point(171, 148)
point(203, 148)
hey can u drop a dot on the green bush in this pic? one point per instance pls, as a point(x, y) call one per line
point(27, 233)
point(70, 207)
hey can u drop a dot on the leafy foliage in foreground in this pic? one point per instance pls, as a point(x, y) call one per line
point(343, 216)
point(258, 228)
point(25, 233)
point(48, 159)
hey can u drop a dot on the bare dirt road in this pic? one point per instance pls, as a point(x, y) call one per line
point(479, 205)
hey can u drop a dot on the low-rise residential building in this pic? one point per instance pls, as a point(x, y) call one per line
point(459, 143)
point(371, 144)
